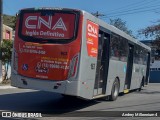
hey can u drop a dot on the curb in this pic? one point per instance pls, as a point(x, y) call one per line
point(6, 87)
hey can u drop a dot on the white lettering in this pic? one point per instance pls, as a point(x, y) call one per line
point(52, 34)
point(32, 33)
point(92, 29)
point(128, 115)
point(46, 23)
point(60, 24)
point(30, 18)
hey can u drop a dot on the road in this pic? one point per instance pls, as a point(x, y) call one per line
point(22, 100)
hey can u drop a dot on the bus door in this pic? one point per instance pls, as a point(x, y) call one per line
point(102, 64)
point(147, 69)
point(129, 67)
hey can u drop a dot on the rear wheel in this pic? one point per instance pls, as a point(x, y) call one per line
point(115, 90)
point(140, 88)
point(141, 85)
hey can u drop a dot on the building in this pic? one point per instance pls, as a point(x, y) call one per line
point(155, 62)
point(7, 32)
point(148, 42)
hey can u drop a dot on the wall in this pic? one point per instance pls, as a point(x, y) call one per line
point(7, 32)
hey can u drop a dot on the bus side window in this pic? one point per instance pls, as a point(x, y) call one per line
point(115, 43)
point(123, 49)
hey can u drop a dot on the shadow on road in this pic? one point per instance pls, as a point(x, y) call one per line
point(149, 92)
point(43, 102)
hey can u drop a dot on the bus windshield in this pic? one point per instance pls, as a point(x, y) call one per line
point(48, 25)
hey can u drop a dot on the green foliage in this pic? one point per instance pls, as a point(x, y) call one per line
point(120, 24)
point(152, 32)
point(6, 51)
point(6, 55)
point(9, 21)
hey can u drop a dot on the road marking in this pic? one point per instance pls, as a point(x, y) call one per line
point(126, 91)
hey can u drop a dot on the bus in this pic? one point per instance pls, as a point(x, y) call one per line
point(74, 53)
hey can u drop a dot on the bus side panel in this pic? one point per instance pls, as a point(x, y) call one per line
point(135, 76)
point(117, 69)
point(122, 74)
point(112, 73)
point(139, 67)
point(138, 74)
point(86, 73)
point(72, 85)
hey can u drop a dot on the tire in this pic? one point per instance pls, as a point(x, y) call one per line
point(115, 90)
point(141, 85)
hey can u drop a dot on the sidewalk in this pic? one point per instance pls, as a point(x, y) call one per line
point(6, 86)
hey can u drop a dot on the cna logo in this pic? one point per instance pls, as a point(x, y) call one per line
point(30, 23)
point(92, 38)
point(92, 29)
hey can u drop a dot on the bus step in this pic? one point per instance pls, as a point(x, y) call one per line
point(98, 96)
point(126, 91)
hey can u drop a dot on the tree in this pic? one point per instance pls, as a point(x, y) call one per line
point(152, 31)
point(9, 21)
point(120, 24)
point(6, 49)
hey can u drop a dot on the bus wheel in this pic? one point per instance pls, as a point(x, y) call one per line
point(115, 90)
point(140, 87)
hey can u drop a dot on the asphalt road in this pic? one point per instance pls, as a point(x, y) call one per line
point(47, 103)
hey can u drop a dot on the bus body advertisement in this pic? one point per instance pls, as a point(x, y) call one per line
point(92, 39)
point(71, 52)
point(37, 60)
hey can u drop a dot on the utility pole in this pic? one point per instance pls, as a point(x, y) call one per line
point(97, 14)
point(1, 36)
point(1, 21)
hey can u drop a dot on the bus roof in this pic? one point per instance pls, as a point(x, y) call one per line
point(112, 28)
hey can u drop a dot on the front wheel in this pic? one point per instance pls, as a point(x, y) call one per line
point(115, 90)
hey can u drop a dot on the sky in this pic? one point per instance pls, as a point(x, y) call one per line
point(138, 14)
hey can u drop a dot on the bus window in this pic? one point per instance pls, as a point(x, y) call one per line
point(115, 43)
point(123, 47)
point(48, 25)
